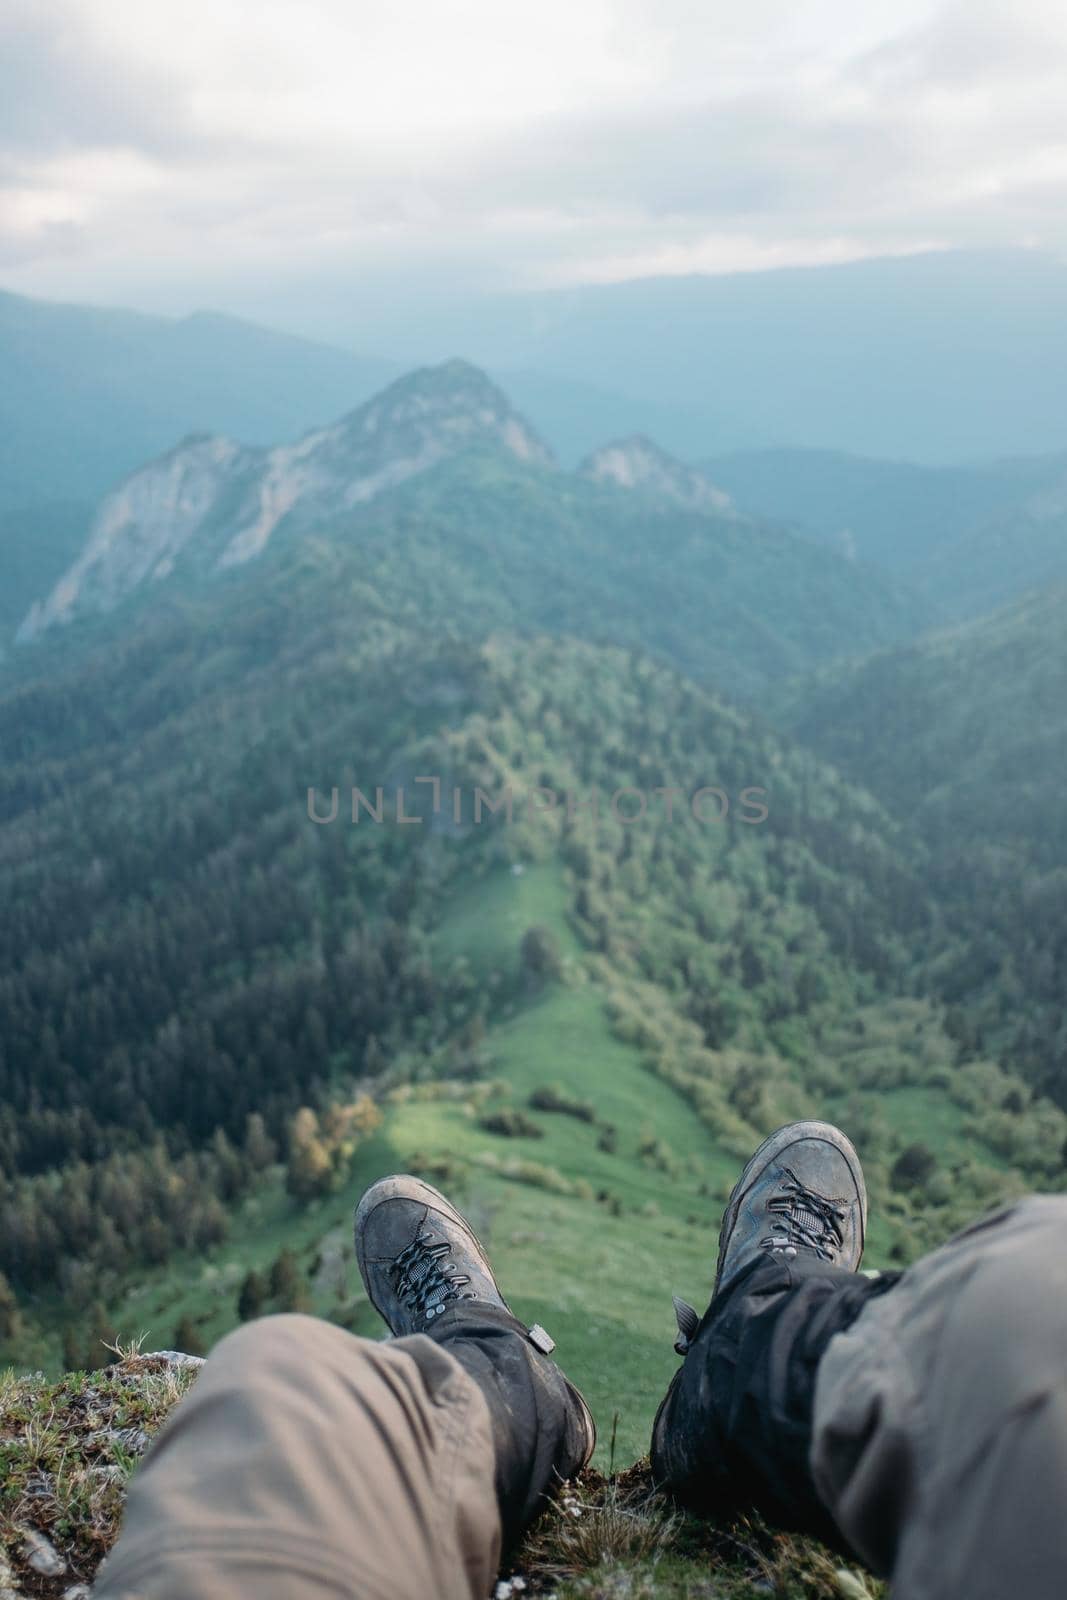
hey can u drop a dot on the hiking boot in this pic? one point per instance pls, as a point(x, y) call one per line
point(801, 1194)
point(425, 1272)
point(418, 1256)
point(734, 1428)
point(803, 1190)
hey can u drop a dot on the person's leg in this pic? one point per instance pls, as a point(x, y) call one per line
point(917, 1420)
point(939, 1435)
point(425, 1272)
point(734, 1429)
point(309, 1464)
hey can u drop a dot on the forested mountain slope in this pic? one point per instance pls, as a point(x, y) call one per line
point(197, 979)
point(963, 737)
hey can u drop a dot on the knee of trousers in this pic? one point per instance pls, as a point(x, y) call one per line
point(317, 1454)
point(280, 1346)
point(1004, 1336)
point(923, 1385)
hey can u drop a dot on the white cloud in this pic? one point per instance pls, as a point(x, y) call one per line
point(176, 149)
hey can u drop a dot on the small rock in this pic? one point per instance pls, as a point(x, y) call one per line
point(173, 1358)
point(851, 1585)
point(40, 1554)
point(80, 1591)
point(507, 1588)
point(135, 1440)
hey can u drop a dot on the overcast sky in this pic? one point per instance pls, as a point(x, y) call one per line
point(170, 154)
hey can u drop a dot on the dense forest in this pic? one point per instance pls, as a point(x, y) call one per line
point(964, 737)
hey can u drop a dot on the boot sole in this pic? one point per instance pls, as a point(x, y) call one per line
point(771, 1147)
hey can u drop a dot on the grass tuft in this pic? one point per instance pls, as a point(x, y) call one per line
point(67, 1450)
point(616, 1538)
point(597, 1522)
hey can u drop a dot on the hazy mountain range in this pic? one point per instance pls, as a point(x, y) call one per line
point(90, 396)
point(213, 503)
point(939, 358)
point(439, 489)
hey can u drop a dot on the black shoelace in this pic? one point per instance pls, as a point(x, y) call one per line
point(804, 1220)
point(424, 1280)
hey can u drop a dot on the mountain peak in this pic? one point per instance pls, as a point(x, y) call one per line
point(209, 504)
point(448, 406)
point(637, 462)
point(456, 373)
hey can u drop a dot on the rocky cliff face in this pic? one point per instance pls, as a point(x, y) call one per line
point(211, 503)
point(637, 463)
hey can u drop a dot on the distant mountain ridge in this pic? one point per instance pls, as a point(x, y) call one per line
point(897, 514)
point(441, 499)
point(87, 394)
point(971, 539)
point(1016, 549)
point(211, 503)
point(937, 357)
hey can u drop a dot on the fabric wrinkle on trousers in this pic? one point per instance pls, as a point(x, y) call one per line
point(308, 1464)
point(940, 1418)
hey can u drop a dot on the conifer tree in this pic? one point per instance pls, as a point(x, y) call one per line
point(288, 1287)
point(252, 1296)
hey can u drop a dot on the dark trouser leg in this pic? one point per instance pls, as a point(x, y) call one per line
point(735, 1428)
point(539, 1432)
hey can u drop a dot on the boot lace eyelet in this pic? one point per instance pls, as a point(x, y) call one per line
point(805, 1220)
point(423, 1280)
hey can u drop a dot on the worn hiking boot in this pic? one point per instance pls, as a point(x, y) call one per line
point(425, 1272)
point(803, 1190)
point(417, 1255)
point(735, 1423)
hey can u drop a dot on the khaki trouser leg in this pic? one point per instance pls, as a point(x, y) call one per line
point(307, 1464)
point(940, 1427)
